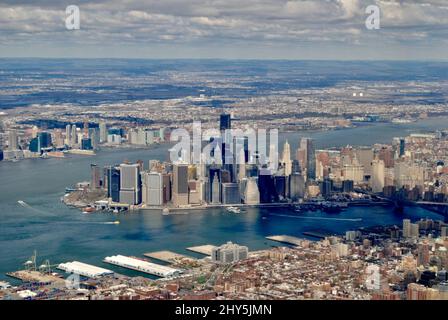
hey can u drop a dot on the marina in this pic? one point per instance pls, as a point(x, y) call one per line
point(142, 266)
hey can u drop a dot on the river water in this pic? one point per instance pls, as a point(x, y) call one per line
point(63, 234)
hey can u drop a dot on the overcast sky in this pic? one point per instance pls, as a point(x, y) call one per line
point(260, 29)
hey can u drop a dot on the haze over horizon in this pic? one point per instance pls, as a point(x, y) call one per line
point(255, 29)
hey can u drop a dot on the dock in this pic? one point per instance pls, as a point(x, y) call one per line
point(35, 276)
point(169, 256)
point(84, 269)
point(286, 239)
point(205, 249)
point(141, 265)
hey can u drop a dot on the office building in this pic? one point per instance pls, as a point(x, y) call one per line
point(286, 159)
point(95, 177)
point(152, 188)
point(113, 183)
point(13, 140)
point(306, 145)
point(229, 253)
point(378, 175)
point(103, 132)
point(130, 184)
point(224, 122)
point(251, 194)
point(180, 184)
point(230, 193)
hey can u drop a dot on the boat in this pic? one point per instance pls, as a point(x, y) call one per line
point(233, 210)
point(331, 207)
point(88, 210)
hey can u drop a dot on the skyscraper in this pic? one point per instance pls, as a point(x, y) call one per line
point(13, 141)
point(216, 189)
point(402, 146)
point(378, 175)
point(286, 159)
point(251, 194)
point(113, 186)
point(95, 177)
point(180, 184)
point(230, 193)
point(406, 228)
point(224, 122)
point(241, 165)
point(296, 186)
point(130, 184)
point(152, 185)
point(68, 133)
point(44, 140)
point(73, 136)
point(103, 132)
point(306, 144)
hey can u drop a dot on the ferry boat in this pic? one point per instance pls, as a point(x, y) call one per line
point(233, 210)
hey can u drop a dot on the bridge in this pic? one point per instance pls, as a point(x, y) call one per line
point(437, 207)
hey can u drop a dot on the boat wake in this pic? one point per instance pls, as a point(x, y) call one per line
point(26, 205)
point(317, 218)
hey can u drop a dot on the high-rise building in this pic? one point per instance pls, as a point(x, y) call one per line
point(103, 132)
point(152, 188)
point(74, 136)
point(241, 165)
point(13, 141)
point(44, 140)
point(306, 144)
point(130, 184)
point(86, 144)
point(180, 184)
point(230, 193)
point(251, 194)
point(406, 228)
point(113, 183)
point(58, 139)
point(347, 186)
point(296, 186)
point(365, 158)
point(95, 177)
point(378, 175)
point(266, 185)
point(229, 252)
point(402, 147)
point(68, 134)
point(286, 159)
point(326, 187)
point(423, 254)
point(216, 189)
point(166, 188)
point(224, 122)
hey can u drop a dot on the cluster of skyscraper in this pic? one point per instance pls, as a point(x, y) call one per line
point(181, 183)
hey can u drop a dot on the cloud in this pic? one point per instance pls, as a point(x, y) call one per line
point(231, 23)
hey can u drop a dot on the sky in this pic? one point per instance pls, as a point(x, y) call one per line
point(227, 29)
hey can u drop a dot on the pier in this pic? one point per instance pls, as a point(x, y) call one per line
point(205, 249)
point(169, 257)
point(142, 266)
point(286, 239)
